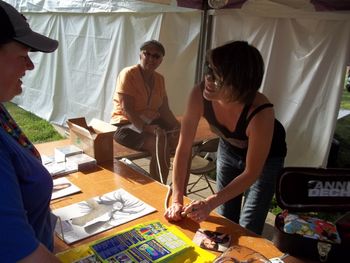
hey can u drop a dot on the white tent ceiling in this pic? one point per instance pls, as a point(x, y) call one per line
point(305, 54)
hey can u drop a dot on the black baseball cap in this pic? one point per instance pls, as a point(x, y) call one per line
point(15, 27)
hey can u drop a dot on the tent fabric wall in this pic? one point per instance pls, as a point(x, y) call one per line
point(79, 78)
point(93, 6)
point(305, 58)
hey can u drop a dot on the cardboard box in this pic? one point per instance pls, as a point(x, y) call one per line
point(95, 139)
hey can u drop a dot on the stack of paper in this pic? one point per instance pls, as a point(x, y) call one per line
point(82, 161)
point(61, 153)
point(58, 169)
point(67, 159)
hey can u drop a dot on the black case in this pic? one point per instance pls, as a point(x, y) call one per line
point(312, 190)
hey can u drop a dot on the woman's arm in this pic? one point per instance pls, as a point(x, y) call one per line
point(183, 153)
point(17, 235)
point(41, 254)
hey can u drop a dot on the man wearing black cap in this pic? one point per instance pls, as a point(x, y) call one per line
point(141, 111)
point(26, 186)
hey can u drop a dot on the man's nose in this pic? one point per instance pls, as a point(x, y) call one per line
point(29, 64)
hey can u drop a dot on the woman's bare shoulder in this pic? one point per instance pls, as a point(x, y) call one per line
point(260, 99)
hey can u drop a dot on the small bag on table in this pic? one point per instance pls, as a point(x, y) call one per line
point(305, 190)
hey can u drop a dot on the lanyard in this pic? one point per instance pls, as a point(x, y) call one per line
point(149, 88)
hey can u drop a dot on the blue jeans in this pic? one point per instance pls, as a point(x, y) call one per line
point(257, 198)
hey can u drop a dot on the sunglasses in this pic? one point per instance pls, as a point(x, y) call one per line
point(148, 55)
point(209, 72)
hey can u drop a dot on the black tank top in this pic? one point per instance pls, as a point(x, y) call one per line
point(238, 138)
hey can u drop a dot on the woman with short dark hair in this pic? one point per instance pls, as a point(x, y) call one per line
point(252, 144)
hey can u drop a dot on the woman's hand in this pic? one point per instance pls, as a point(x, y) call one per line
point(173, 213)
point(197, 211)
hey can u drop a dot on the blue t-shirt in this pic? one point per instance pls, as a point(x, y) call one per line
point(25, 194)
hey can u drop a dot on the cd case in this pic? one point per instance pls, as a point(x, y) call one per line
point(212, 240)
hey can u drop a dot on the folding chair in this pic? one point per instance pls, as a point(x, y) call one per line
point(202, 164)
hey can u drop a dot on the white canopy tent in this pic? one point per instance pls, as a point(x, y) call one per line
point(305, 53)
point(96, 42)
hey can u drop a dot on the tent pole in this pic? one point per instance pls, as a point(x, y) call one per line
point(204, 41)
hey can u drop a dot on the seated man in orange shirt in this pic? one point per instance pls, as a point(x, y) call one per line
point(141, 110)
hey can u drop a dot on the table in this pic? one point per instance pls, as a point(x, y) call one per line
point(103, 180)
point(110, 176)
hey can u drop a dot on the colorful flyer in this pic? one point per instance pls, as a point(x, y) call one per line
point(149, 242)
point(152, 242)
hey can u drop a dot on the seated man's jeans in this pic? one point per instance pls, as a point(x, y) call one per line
point(252, 213)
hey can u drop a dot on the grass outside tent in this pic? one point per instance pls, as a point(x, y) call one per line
point(345, 102)
point(36, 129)
point(342, 134)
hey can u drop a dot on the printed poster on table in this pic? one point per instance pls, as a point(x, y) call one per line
point(87, 218)
point(63, 187)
